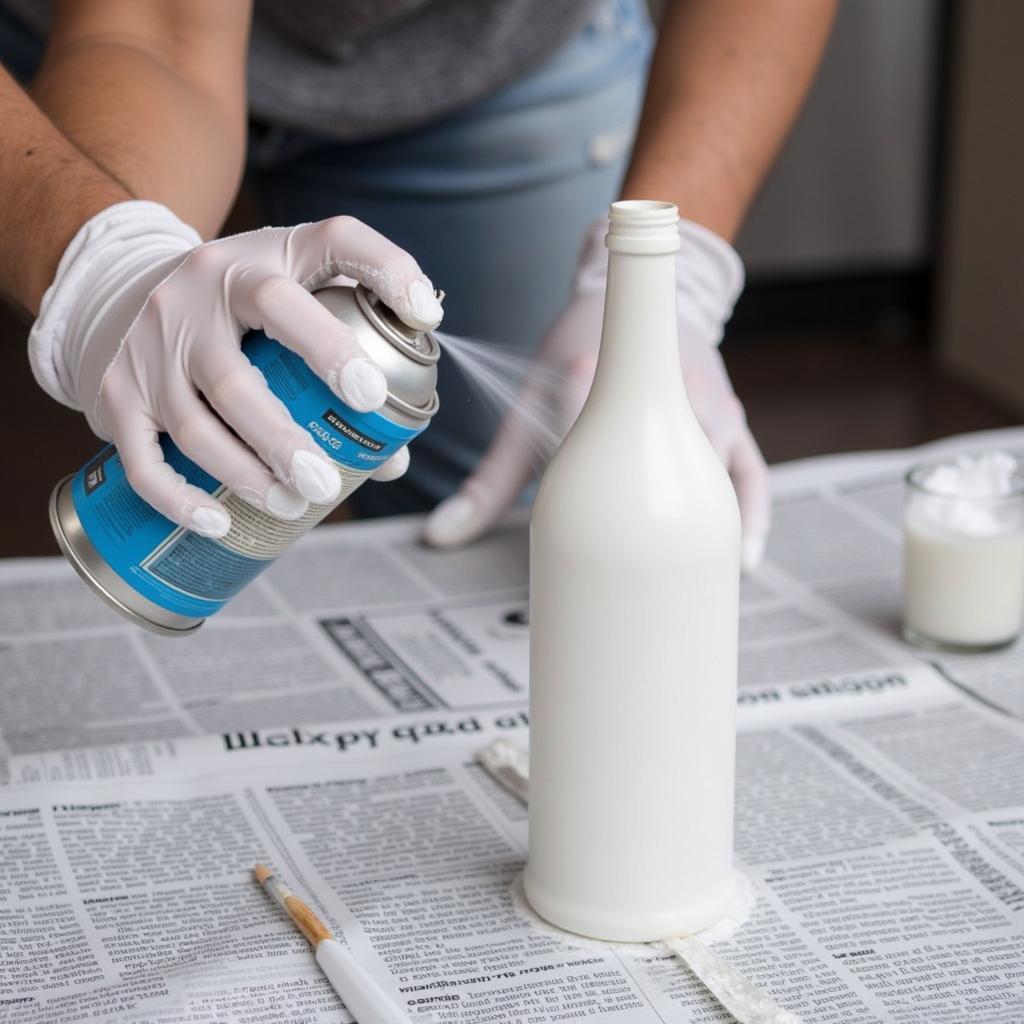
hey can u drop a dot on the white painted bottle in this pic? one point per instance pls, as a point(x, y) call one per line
point(634, 580)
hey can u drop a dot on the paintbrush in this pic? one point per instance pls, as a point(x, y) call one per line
point(359, 991)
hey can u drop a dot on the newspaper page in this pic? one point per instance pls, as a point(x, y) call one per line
point(356, 621)
point(880, 819)
point(363, 620)
point(880, 813)
point(836, 552)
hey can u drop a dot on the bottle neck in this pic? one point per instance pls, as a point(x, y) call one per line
point(639, 356)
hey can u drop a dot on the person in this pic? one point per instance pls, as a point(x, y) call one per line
point(485, 137)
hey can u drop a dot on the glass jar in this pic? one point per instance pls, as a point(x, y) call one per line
point(963, 577)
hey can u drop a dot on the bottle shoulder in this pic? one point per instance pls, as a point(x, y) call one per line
point(638, 487)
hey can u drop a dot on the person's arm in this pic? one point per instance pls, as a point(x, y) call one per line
point(130, 154)
point(154, 93)
point(48, 189)
point(133, 100)
point(727, 80)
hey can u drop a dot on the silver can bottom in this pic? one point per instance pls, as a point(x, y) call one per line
point(89, 564)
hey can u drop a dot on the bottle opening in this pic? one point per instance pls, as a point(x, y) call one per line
point(643, 226)
point(645, 209)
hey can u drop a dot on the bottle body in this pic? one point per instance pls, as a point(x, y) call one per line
point(634, 570)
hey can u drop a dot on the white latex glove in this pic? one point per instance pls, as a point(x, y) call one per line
point(710, 279)
point(141, 331)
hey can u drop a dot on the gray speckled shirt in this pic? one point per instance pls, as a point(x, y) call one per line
point(362, 69)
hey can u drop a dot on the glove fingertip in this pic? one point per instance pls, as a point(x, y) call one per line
point(392, 468)
point(457, 520)
point(362, 385)
point(423, 311)
point(752, 552)
point(209, 521)
point(315, 477)
point(284, 503)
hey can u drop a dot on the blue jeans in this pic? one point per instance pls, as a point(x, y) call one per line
point(492, 201)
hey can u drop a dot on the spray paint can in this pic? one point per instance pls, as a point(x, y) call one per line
point(169, 579)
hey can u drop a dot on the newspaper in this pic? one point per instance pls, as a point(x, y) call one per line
point(835, 551)
point(880, 817)
point(356, 621)
point(880, 806)
point(362, 620)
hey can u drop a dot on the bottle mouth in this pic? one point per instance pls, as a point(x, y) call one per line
point(643, 226)
point(643, 211)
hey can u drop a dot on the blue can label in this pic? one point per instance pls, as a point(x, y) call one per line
point(195, 576)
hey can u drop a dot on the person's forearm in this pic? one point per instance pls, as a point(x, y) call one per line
point(154, 94)
point(48, 189)
point(727, 80)
point(133, 101)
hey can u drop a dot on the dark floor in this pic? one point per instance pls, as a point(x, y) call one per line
point(817, 393)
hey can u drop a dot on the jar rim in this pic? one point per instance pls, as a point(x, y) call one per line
point(914, 479)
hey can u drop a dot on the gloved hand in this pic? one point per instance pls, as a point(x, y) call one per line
point(143, 323)
point(710, 278)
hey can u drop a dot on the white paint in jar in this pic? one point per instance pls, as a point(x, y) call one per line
point(964, 553)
